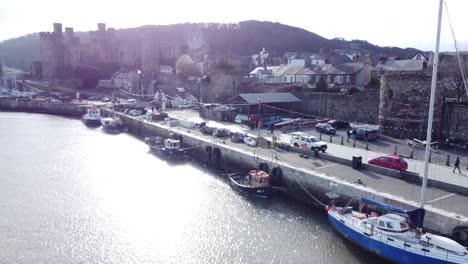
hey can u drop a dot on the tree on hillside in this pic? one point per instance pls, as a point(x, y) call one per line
point(321, 85)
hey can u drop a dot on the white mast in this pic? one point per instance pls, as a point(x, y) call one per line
point(4, 75)
point(431, 107)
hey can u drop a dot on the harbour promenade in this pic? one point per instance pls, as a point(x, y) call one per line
point(445, 209)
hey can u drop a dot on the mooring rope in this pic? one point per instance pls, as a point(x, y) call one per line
point(300, 184)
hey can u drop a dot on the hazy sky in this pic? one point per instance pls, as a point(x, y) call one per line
point(399, 23)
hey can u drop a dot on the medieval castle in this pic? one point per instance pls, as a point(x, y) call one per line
point(62, 54)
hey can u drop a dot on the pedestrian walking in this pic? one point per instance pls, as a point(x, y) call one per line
point(457, 165)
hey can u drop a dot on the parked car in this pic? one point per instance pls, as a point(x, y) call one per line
point(298, 139)
point(325, 128)
point(337, 124)
point(364, 134)
point(207, 130)
point(135, 112)
point(94, 98)
point(390, 161)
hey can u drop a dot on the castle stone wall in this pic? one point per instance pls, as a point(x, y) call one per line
point(359, 107)
point(404, 105)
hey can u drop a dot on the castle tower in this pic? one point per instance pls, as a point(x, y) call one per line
point(58, 29)
point(101, 27)
point(69, 33)
point(150, 48)
point(52, 52)
point(404, 104)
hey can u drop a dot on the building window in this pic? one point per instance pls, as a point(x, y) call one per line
point(348, 78)
point(329, 79)
point(339, 79)
point(291, 79)
point(285, 79)
point(418, 57)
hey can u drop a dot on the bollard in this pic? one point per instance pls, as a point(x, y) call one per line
point(367, 145)
point(342, 140)
point(320, 135)
point(354, 142)
point(411, 153)
point(330, 138)
point(448, 161)
point(396, 150)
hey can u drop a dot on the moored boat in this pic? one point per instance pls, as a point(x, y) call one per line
point(112, 124)
point(92, 117)
point(256, 183)
point(169, 148)
point(391, 236)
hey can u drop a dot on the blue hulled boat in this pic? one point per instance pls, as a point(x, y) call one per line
point(256, 183)
point(391, 237)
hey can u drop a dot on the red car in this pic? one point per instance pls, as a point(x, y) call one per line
point(390, 161)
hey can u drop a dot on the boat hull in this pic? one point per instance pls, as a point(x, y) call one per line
point(113, 129)
point(168, 153)
point(381, 249)
point(261, 192)
point(91, 122)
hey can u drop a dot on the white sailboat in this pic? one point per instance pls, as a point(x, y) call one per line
point(389, 235)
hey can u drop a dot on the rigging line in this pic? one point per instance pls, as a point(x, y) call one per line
point(302, 186)
point(461, 65)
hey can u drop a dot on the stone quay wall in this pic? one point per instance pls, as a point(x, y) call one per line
point(7, 104)
point(359, 107)
point(315, 182)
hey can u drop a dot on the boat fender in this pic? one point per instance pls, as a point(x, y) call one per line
point(276, 175)
point(263, 166)
point(461, 233)
point(217, 152)
point(208, 149)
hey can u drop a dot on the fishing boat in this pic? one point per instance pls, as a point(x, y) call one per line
point(256, 183)
point(398, 236)
point(92, 117)
point(112, 124)
point(170, 149)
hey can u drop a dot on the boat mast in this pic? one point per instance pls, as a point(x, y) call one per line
point(431, 107)
point(4, 74)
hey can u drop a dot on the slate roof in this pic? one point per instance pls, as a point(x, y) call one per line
point(400, 65)
point(267, 98)
point(345, 68)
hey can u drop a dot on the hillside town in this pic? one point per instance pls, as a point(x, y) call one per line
point(355, 132)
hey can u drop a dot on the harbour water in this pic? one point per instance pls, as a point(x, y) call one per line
point(72, 194)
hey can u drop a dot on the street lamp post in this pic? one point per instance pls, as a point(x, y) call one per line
point(259, 119)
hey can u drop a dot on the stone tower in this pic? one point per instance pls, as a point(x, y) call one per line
point(52, 52)
point(150, 56)
point(404, 104)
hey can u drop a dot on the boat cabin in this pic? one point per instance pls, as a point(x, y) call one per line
point(93, 111)
point(171, 143)
point(391, 223)
point(258, 178)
